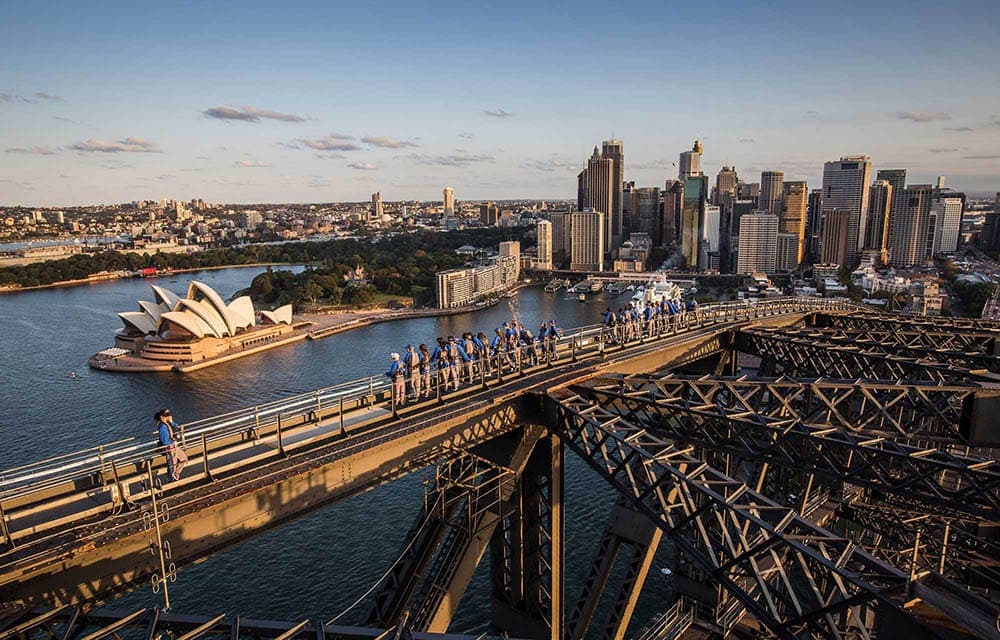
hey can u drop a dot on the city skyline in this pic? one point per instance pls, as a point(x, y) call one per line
point(257, 105)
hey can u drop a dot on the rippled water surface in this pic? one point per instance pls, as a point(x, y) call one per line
point(316, 565)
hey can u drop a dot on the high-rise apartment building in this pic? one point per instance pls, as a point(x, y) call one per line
point(449, 201)
point(376, 211)
point(710, 254)
point(725, 186)
point(748, 190)
point(948, 210)
point(787, 253)
point(586, 233)
point(814, 224)
point(543, 232)
point(845, 188)
point(595, 190)
point(671, 202)
point(644, 212)
point(489, 214)
point(771, 189)
point(560, 237)
point(614, 151)
point(835, 247)
point(879, 208)
point(689, 164)
point(692, 218)
point(912, 225)
point(792, 220)
point(739, 209)
point(758, 240)
point(897, 180)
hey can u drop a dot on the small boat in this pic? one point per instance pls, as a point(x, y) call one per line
point(582, 297)
point(631, 287)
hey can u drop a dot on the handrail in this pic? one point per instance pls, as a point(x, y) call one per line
point(57, 470)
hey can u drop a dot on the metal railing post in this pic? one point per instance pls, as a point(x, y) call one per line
point(319, 404)
point(600, 341)
point(483, 361)
point(3, 527)
point(341, 414)
point(371, 389)
point(437, 379)
point(281, 444)
point(204, 452)
point(392, 399)
point(100, 458)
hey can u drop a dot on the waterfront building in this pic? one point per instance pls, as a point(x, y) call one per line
point(771, 186)
point(449, 201)
point(560, 237)
point(845, 188)
point(586, 246)
point(171, 329)
point(543, 232)
point(466, 285)
point(758, 237)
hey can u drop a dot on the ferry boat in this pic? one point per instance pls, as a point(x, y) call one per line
point(655, 291)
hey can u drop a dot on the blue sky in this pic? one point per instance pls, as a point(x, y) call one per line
point(313, 102)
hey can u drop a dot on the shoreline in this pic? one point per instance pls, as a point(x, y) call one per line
point(88, 281)
point(323, 325)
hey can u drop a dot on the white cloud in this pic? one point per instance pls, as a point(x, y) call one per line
point(922, 116)
point(253, 164)
point(386, 142)
point(250, 114)
point(128, 145)
point(455, 160)
point(332, 142)
point(35, 150)
point(498, 113)
point(362, 166)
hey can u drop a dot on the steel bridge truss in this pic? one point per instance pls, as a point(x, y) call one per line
point(804, 355)
point(796, 578)
point(831, 429)
point(859, 319)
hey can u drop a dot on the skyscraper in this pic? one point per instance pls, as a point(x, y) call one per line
point(897, 180)
point(645, 212)
point(543, 230)
point(770, 191)
point(911, 226)
point(879, 207)
point(614, 151)
point(949, 222)
point(595, 190)
point(835, 242)
point(586, 232)
point(725, 186)
point(757, 243)
point(786, 256)
point(449, 201)
point(709, 253)
point(670, 211)
point(690, 162)
point(692, 218)
point(845, 188)
point(814, 224)
point(489, 214)
point(792, 221)
point(376, 211)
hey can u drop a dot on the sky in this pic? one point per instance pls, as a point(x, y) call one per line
point(331, 101)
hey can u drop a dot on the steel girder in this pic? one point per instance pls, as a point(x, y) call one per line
point(738, 416)
point(859, 319)
point(810, 357)
point(796, 578)
point(973, 351)
point(927, 541)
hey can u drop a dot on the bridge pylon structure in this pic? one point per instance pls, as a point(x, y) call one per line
point(802, 469)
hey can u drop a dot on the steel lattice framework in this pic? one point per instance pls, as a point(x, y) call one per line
point(810, 356)
point(792, 575)
point(761, 419)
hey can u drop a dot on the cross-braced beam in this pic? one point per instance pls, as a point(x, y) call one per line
point(796, 578)
point(973, 351)
point(811, 357)
point(859, 319)
point(729, 415)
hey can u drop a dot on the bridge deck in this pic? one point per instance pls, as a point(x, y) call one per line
point(263, 472)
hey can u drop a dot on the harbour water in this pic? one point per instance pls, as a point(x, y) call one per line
point(315, 566)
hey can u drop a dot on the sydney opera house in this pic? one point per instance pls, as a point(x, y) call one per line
point(172, 331)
